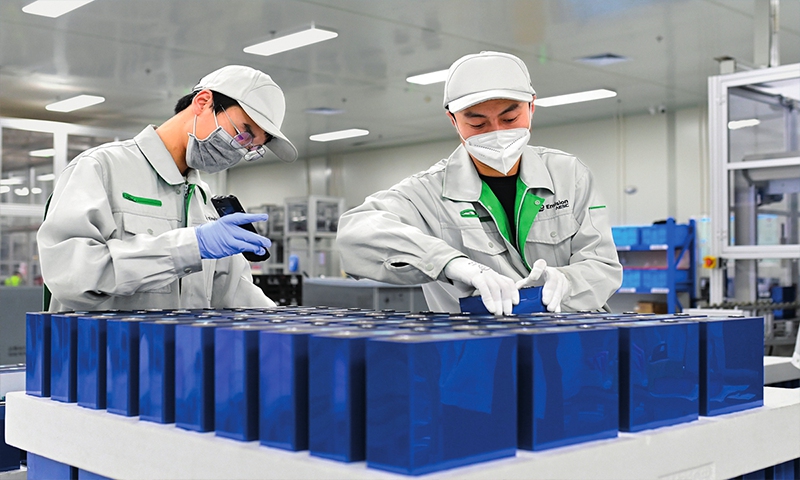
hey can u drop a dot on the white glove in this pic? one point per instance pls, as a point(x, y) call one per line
point(556, 284)
point(497, 291)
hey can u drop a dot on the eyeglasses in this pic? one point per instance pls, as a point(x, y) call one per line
point(245, 139)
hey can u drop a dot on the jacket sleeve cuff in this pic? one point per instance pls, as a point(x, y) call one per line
point(186, 252)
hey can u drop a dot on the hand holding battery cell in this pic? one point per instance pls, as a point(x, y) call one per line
point(225, 237)
point(497, 291)
point(556, 284)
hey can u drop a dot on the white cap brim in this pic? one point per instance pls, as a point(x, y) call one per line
point(473, 99)
point(279, 145)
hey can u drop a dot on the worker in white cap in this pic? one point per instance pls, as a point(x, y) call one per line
point(130, 224)
point(496, 216)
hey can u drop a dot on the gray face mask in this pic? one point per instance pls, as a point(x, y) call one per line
point(214, 153)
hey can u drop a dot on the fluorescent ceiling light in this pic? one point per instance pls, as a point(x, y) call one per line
point(75, 103)
point(603, 59)
point(45, 152)
point(22, 192)
point(12, 181)
point(47, 177)
point(324, 111)
point(574, 98)
point(36, 190)
point(4, 189)
point(737, 124)
point(299, 39)
point(53, 8)
point(338, 135)
point(428, 78)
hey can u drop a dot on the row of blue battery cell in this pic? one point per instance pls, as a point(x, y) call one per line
point(449, 391)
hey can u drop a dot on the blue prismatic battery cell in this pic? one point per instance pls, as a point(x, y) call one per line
point(439, 401)
point(236, 382)
point(283, 382)
point(122, 365)
point(530, 301)
point(568, 385)
point(194, 375)
point(659, 373)
point(157, 371)
point(731, 364)
point(64, 357)
point(43, 468)
point(337, 393)
point(283, 385)
point(92, 361)
point(9, 456)
point(37, 353)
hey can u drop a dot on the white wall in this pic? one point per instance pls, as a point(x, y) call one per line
point(664, 156)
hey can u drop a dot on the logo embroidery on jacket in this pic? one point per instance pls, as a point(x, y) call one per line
point(561, 204)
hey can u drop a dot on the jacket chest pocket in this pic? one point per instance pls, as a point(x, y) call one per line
point(135, 224)
point(139, 225)
point(477, 240)
point(551, 240)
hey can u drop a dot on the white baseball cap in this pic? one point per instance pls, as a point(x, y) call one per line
point(259, 96)
point(475, 78)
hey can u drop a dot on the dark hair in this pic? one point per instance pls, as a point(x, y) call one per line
point(221, 102)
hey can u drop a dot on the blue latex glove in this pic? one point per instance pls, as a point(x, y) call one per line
point(225, 237)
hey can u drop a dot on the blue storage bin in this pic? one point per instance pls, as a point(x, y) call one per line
point(439, 401)
point(37, 353)
point(631, 279)
point(657, 234)
point(659, 373)
point(625, 236)
point(658, 278)
point(731, 364)
point(64, 357)
point(568, 385)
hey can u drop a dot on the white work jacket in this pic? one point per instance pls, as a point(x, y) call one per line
point(114, 238)
point(407, 234)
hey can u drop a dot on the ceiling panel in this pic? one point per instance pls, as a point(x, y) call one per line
point(143, 55)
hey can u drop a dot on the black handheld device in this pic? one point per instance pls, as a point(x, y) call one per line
point(225, 205)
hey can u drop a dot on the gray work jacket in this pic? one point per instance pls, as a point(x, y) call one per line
point(119, 234)
point(407, 234)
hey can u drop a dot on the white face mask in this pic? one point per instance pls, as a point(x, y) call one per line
point(500, 149)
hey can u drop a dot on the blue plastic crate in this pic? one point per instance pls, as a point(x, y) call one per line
point(658, 278)
point(657, 234)
point(631, 279)
point(625, 236)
